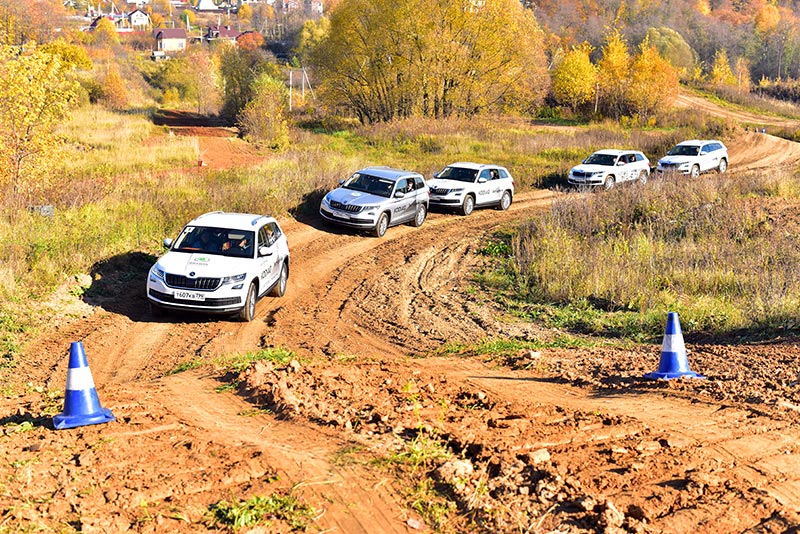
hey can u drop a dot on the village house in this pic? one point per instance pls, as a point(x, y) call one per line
point(170, 39)
point(222, 33)
point(138, 20)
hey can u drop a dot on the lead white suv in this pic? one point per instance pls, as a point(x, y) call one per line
point(465, 186)
point(695, 157)
point(221, 263)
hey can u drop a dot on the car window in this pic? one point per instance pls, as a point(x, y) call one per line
point(684, 150)
point(458, 173)
point(238, 244)
point(403, 185)
point(485, 173)
point(504, 173)
point(419, 183)
point(601, 159)
point(265, 236)
point(200, 239)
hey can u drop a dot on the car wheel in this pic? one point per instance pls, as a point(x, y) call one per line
point(382, 225)
point(643, 177)
point(249, 311)
point(419, 217)
point(280, 287)
point(695, 172)
point(723, 166)
point(608, 185)
point(468, 205)
point(505, 201)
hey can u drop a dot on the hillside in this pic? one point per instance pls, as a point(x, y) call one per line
point(561, 440)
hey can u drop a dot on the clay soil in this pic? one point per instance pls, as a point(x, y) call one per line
point(551, 441)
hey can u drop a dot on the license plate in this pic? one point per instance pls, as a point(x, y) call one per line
point(190, 295)
point(341, 214)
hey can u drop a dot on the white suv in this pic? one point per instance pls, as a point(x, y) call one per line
point(695, 157)
point(465, 186)
point(609, 167)
point(221, 263)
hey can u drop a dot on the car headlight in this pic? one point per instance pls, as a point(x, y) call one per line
point(326, 201)
point(368, 208)
point(459, 190)
point(155, 272)
point(234, 279)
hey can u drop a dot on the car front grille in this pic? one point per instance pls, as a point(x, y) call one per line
point(345, 207)
point(582, 174)
point(210, 303)
point(183, 282)
point(439, 191)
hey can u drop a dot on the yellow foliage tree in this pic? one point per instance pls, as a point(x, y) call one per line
point(105, 34)
point(613, 74)
point(264, 120)
point(574, 79)
point(721, 73)
point(113, 92)
point(654, 83)
point(35, 95)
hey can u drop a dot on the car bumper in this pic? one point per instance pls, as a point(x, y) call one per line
point(222, 300)
point(673, 169)
point(446, 201)
point(586, 180)
point(352, 220)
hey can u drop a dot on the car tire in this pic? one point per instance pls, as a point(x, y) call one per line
point(382, 225)
point(695, 172)
point(643, 177)
point(467, 205)
point(420, 215)
point(280, 288)
point(505, 201)
point(723, 166)
point(609, 183)
point(249, 311)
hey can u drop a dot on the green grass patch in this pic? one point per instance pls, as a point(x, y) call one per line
point(262, 510)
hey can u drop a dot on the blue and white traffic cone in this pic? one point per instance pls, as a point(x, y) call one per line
point(81, 404)
point(674, 362)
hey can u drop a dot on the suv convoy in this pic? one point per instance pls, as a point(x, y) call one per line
point(465, 186)
point(376, 198)
point(695, 157)
point(609, 167)
point(221, 263)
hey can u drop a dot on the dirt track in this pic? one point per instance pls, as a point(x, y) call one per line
point(573, 440)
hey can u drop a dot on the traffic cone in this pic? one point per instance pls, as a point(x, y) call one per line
point(81, 405)
point(674, 363)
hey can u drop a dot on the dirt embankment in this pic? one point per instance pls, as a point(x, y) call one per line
point(574, 440)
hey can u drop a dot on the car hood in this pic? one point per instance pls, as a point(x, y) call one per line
point(350, 197)
point(202, 265)
point(586, 168)
point(444, 183)
point(675, 160)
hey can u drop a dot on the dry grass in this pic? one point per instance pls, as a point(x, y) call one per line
point(721, 252)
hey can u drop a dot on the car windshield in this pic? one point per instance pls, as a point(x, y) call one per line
point(219, 241)
point(601, 159)
point(460, 174)
point(370, 184)
point(684, 150)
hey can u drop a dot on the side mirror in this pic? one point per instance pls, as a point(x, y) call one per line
point(482, 180)
point(168, 242)
point(264, 251)
point(620, 163)
point(399, 194)
point(436, 175)
point(341, 182)
point(703, 152)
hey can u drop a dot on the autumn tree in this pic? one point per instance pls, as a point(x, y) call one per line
point(238, 71)
point(311, 34)
point(721, 73)
point(188, 17)
point(35, 94)
point(673, 47)
point(574, 79)
point(72, 56)
point(654, 83)
point(245, 12)
point(614, 74)
point(105, 34)
point(113, 93)
point(384, 59)
point(250, 41)
point(265, 118)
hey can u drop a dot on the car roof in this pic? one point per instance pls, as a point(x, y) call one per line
point(698, 142)
point(615, 151)
point(475, 166)
point(231, 221)
point(388, 173)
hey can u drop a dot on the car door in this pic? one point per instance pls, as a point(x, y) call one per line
point(403, 205)
point(709, 158)
point(483, 191)
point(269, 260)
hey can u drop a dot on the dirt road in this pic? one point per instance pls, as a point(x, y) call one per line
point(566, 440)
